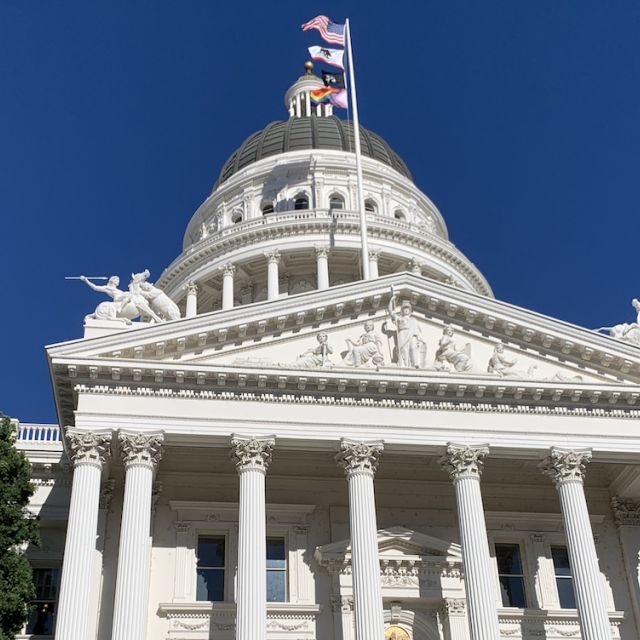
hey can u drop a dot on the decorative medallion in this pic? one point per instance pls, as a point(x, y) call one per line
point(396, 633)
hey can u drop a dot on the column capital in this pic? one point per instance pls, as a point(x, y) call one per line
point(272, 256)
point(359, 457)
point(321, 251)
point(191, 287)
point(566, 465)
point(464, 461)
point(251, 453)
point(454, 606)
point(374, 254)
point(228, 269)
point(89, 447)
point(141, 448)
point(625, 511)
point(342, 603)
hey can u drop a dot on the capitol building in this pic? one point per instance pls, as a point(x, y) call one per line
point(264, 444)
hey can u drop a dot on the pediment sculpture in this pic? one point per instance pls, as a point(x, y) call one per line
point(141, 299)
point(410, 348)
point(627, 331)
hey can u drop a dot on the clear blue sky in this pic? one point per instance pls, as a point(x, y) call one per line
point(520, 119)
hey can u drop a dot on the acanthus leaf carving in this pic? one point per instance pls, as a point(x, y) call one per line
point(359, 457)
point(251, 453)
point(461, 460)
point(141, 448)
point(566, 465)
point(88, 447)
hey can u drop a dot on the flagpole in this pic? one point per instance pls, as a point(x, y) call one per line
point(356, 135)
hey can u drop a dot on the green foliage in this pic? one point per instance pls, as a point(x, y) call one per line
point(16, 529)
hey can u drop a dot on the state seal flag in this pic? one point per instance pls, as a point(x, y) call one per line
point(333, 79)
point(334, 57)
point(330, 32)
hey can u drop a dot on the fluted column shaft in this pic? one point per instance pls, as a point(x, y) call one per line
point(252, 457)
point(273, 287)
point(192, 300)
point(464, 465)
point(322, 265)
point(141, 453)
point(360, 461)
point(228, 272)
point(88, 452)
point(374, 254)
point(567, 469)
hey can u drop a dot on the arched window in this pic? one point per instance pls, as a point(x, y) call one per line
point(370, 206)
point(336, 201)
point(399, 214)
point(236, 217)
point(267, 207)
point(301, 202)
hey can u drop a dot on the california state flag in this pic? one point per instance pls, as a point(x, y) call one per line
point(330, 56)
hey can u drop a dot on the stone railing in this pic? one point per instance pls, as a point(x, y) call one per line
point(38, 433)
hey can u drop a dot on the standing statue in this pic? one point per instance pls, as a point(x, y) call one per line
point(449, 357)
point(142, 298)
point(317, 356)
point(411, 349)
point(627, 332)
point(367, 348)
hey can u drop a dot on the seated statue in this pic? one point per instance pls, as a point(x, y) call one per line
point(449, 357)
point(367, 348)
point(317, 356)
point(627, 332)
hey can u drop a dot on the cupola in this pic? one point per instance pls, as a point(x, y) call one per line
point(297, 98)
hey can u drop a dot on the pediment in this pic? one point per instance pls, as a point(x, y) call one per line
point(396, 544)
point(287, 334)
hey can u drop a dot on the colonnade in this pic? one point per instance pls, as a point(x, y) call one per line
point(141, 453)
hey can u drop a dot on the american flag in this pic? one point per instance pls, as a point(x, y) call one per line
point(330, 31)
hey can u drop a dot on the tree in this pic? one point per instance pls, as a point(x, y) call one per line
point(17, 528)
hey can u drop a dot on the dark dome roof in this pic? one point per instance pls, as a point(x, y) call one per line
point(312, 132)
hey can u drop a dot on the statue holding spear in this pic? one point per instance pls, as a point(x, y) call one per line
point(410, 346)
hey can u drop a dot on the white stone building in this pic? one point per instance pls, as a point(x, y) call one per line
point(307, 455)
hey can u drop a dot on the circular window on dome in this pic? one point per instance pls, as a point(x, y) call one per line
point(301, 201)
point(336, 201)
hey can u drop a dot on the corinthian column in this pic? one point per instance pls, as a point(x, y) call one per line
point(374, 254)
point(88, 451)
point(322, 266)
point(273, 260)
point(228, 272)
point(567, 470)
point(140, 453)
point(464, 464)
point(360, 461)
point(252, 457)
point(192, 300)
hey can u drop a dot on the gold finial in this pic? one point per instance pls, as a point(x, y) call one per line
point(308, 67)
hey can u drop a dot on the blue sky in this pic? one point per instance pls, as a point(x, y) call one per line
point(519, 119)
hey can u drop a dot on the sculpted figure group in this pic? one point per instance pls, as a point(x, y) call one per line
point(141, 299)
point(627, 331)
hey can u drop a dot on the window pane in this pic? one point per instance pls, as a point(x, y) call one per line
point(211, 551)
point(276, 591)
point(210, 585)
point(560, 557)
point(512, 590)
point(41, 618)
point(275, 553)
point(565, 593)
point(508, 557)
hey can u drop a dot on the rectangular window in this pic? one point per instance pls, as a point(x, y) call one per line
point(276, 570)
point(564, 577)
point(41, 619)
point(210, 568)
point(510, 575)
